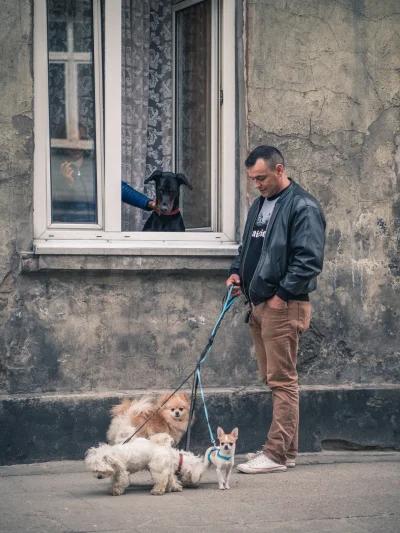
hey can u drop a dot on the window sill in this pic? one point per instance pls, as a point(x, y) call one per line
point(128, 256)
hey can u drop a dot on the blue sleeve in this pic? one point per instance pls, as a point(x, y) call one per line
point(132, 197)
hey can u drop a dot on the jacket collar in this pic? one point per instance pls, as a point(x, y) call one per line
point(289, 189)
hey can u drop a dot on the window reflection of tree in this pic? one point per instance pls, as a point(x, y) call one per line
point(71, 81)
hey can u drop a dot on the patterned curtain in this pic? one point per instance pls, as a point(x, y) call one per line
point(146, 97)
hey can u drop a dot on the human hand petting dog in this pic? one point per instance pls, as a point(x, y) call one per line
point(234, 280)
point(151, 204)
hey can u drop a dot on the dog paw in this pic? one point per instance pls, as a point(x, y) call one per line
point(222, 487)
point(227, 487)
point(115, 491)
point(176, 488)
point(157, 492)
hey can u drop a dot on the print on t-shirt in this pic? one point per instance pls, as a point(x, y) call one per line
point(261, 224)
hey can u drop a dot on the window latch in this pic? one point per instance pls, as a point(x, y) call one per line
point(221, 97)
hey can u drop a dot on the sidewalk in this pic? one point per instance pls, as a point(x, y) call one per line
point(325, 493)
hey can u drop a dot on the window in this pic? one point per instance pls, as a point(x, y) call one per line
point(122, 88)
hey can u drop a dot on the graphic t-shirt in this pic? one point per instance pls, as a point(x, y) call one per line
point(260, 229)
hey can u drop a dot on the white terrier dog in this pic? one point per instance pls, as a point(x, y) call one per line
point(223, 457)
point(121, 460)
point(188, 467)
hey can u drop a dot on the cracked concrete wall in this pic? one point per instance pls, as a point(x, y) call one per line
point(323, 87)
point(16, 147)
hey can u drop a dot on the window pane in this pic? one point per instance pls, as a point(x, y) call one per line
point(193, 111)
point(72, 111)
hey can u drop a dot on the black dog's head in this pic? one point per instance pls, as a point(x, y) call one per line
point(167, 189)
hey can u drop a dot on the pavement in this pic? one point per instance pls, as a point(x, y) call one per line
point(326, 493)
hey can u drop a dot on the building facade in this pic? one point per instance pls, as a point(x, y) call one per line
point(92, 309)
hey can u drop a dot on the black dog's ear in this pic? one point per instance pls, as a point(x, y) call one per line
point(154, 177)
point(181, 179)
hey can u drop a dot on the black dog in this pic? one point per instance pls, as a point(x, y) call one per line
point(166, 216)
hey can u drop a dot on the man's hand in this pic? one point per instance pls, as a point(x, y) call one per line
point(67, 173)
point(276, 303)
point(234, 280)
point(151, 204)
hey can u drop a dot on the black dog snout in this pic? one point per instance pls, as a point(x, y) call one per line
point(177, 414)
point(99, 476)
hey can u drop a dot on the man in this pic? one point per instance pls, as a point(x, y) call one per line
point(73, 172)
point(278, 262)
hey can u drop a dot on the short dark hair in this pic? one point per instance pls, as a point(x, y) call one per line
point(270, 154)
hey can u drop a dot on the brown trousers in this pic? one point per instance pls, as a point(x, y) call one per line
point(276, 335)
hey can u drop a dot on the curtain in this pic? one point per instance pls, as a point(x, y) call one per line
point(146, 97)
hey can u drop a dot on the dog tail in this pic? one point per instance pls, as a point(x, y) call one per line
point(162, 439)
point(127, 407)
point(143, 406)
point(121, 408)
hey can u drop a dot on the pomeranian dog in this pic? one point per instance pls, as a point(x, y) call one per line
point(129, 415)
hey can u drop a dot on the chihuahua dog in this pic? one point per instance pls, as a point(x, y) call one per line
point(223, 457)
point(166, 215)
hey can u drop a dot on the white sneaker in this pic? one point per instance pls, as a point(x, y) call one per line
point(261, 465)
point(290, 463)
point(251, 455)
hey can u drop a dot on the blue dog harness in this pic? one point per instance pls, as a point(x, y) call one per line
point(218, 454)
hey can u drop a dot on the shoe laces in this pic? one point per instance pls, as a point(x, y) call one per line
point(259, 460)
point(258, 453)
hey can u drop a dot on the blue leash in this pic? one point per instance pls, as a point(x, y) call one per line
point(226, 305)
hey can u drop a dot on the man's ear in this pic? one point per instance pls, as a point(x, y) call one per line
point(181, 179)
point(156, 175)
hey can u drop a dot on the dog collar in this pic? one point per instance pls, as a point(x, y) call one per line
point(180, 463)
point(174, 212)
point(224, 457)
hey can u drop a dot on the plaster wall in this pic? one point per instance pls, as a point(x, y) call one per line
point(322, 85)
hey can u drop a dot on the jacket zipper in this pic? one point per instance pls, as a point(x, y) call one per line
point(272, 220)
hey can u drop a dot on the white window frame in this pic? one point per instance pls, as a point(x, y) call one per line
point(107, 238)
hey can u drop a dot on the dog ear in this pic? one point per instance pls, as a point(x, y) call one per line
point(181, 179)
point(90, 452)
point(220, 432)
point(115, 462)
point(156, 175)
point(235, 433)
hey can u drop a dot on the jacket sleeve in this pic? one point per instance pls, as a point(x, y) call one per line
point(132, 197)
point(236, 263)
point(307, 242)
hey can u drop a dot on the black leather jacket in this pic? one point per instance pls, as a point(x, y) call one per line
point(293, 250)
